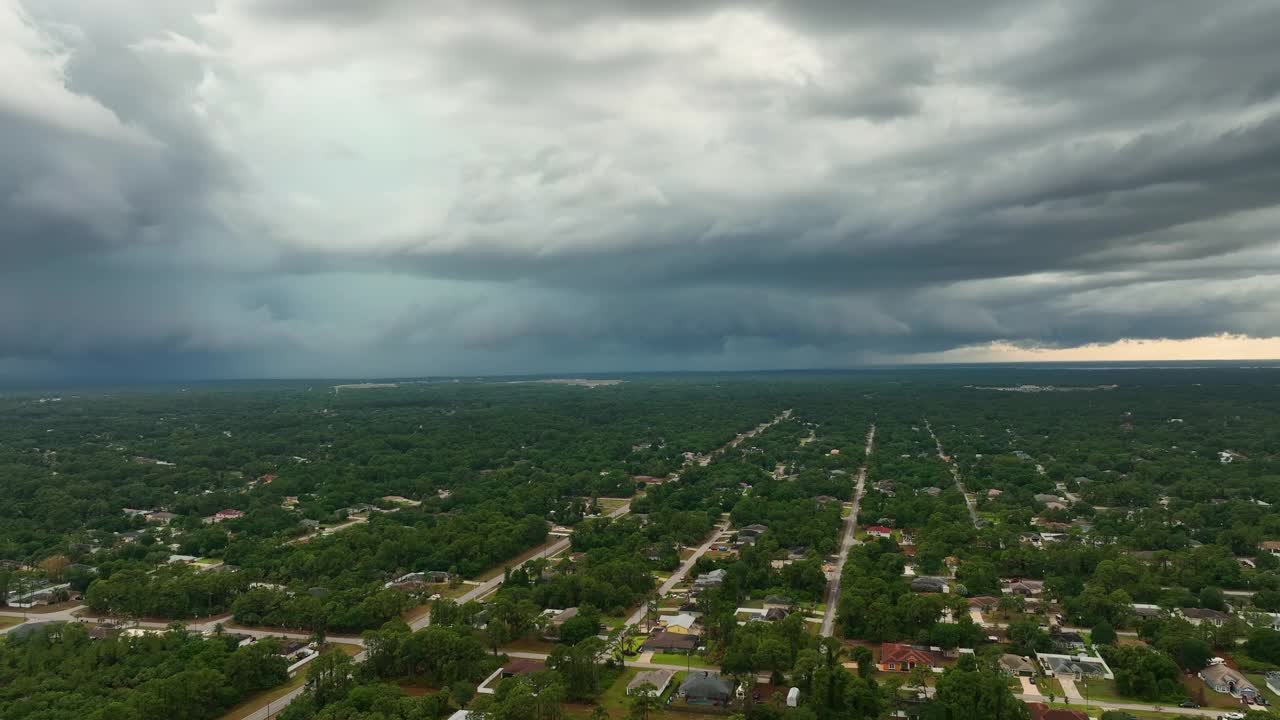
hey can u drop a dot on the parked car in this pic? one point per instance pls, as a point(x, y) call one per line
point(1188, 704)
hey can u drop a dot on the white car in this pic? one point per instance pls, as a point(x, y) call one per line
point(1231, 716)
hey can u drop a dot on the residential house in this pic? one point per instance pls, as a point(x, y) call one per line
point(1199, 616)
point(682, 623)
point(706, 688)
point(161, 517)
point(1047, 498)
point(223, 515)
point(984, 602)
point(309, 524)
point(659, 679)
point(1067, 641)
point(896, 657)
point(709, 580)
point(775, 614)
point(1017, 665)
point(931, 491)
point(515, 668)
point(552, 631)
point(1023, 588)
point(1272, 679)
point(880, 531)
point(1077, 666)
point(1223, 679)
point(289, 501)
point(1146, 611)
point(749, 534)
point(777, 601)
point(670, 642)
point(927, 584)
point(993, 494)
point(1271, 546)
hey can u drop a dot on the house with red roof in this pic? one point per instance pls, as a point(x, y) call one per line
point(896, 657)
point(880, 531)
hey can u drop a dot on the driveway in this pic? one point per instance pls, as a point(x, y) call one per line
point(1028, 687)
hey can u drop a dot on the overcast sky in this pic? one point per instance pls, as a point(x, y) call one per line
point(249, 188)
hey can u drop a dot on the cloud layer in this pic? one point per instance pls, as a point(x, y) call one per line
point(277, 187)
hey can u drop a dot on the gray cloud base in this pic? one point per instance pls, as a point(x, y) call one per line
point(270, 187)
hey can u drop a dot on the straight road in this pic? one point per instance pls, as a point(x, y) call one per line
point(832, 595)
point(682, 571)
point(955, 474)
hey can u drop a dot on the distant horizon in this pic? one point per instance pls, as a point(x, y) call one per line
point(1083, 365)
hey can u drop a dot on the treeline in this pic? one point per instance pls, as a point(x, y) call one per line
point(57, 671)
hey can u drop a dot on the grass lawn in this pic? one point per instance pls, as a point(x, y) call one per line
point(6, 621)
point(259, 700)
point(613, 622)
point(1104, 690)
point(608, 505)
point(676, 659)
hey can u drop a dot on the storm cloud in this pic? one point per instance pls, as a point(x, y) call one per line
point(232, 188)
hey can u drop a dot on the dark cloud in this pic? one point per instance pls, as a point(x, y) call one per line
point(272, 187)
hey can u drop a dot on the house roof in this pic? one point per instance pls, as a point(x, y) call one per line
point(706, 685)
point(777, 600)
point(522, 666)
point(775, 614)
point(564, 616)
point(880, 529)
point(1017, 663)
point(1221, 675)
point(671, 641)
point(657, 678)
point(928, 584)
point(983, 601)
point(1204, 614)
point(1073, 664)
point(683, 620)
point(899, 653)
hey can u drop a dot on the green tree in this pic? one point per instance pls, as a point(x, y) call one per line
point(643, 701)
point(1103, 633)
point(965, 692)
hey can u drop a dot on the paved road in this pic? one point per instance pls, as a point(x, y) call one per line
point(832, 596)
point(955, 474)
point(682, 571)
